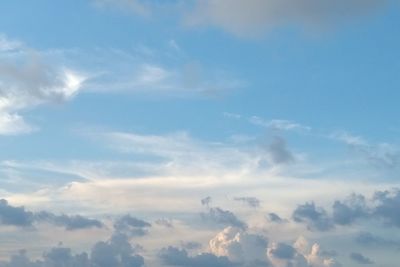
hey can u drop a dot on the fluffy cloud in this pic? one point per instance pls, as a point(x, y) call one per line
point(249, 17)
point(172, 256)
point(316, 218)
point(28, 80)
point(239, 246)
point(116, 252)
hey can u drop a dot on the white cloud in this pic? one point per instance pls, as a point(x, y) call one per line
point(26, 81)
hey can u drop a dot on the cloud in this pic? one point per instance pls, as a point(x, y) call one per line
point(27, 80)
point(370, 240)
point(253, 17)
point(388, 206)
point(222, 217)
point(316, 218)
point(69, 222)
point(19, 217)
point(360, 259)
point(273, 217)
point(172, 256)
point(239, 246)
point(16, 216)
point(249, 201)
point(282, 125)
point(278, 151)
point(115, 252)
point(347, 212)
point(131, 226)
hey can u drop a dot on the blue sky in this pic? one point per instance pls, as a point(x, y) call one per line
point(199, 133)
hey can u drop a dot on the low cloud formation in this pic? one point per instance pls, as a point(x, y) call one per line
point(222, 217)
point(253, 17)
point(131, 226)
point(19, 217)
point(384, 206)
point(116, 252)
point(316, 218)
point(239, 246)
point(360, 259)
point(172, 256)
point(275, 218)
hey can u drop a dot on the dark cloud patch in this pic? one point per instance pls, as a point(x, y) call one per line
point(250, 201)
point(131, 226)
point(371, 240)
point(360, 259)
point(206, 201)
point(69, 222)
point(172, 256)
point(283, 251)
point(223, 217)
point(345, 213)
point(315, 218)
point(388, 206)
point(16, 216)
point(278, 151)
point(115, 252)
point(273, 217)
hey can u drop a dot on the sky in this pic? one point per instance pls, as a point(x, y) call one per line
point(199, 133)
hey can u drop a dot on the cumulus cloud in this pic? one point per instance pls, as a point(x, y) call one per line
point(273, 217)
point(28, 80)
point(352, 208)
point(359, 258)
point(20, 217)
point(173, 256)
point(251, 17)
point(316, 218)
point(239, 246)
point(115, 252)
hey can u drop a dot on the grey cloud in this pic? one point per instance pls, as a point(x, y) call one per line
point(251, 17)
point(172, 256)
point(371, 240)
point(388, 206)
point(223, 217)
point(131, 226)
point(283, 251)
point(273, 217)
point(69, 222)
point(116, 252)
point(359, 258)
point(347, 212)
point(250, 201)
point(190, 245)
point(278, 151)
point(315, 218)
point(18, 216)
point(206, 201)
